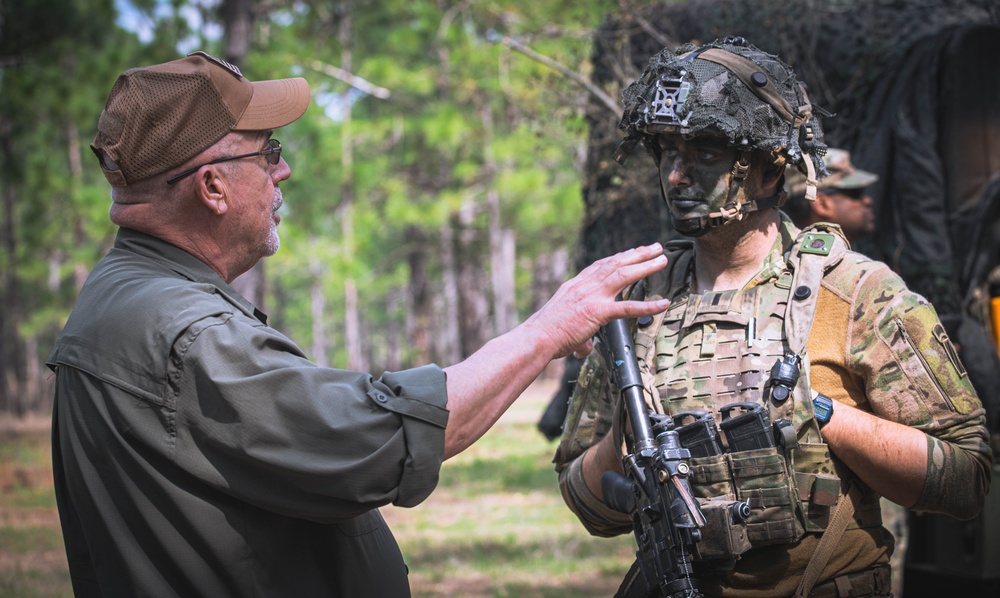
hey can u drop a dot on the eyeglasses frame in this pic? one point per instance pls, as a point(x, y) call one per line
point(272, 153)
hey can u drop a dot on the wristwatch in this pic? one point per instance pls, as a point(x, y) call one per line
point(822, 408)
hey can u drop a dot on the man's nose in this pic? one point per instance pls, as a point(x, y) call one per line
point(677, 173)
point(281, 171)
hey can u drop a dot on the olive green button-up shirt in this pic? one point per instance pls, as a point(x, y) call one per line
point(197, 452)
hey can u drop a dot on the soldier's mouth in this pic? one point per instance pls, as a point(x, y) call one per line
point(686, 203)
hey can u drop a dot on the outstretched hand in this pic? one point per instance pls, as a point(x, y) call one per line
point(586, 302)
point(483, 386)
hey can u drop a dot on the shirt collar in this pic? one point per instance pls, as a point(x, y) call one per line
point(184, 264)
point(776, 261)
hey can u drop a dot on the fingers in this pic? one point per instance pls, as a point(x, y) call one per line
point(636, 264)
point(626, 268)
point(587, 301)
point(636, 309)
point(609, 276)
point(647, 255)
point(584, 350)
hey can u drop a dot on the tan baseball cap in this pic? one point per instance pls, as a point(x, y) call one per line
point(843, 174)
point(159, 117)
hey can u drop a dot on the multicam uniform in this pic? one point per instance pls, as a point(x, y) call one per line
point(864, 339)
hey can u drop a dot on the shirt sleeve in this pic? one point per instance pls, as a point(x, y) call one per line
point(913, 375)
point(589, 418)
point(257, 420)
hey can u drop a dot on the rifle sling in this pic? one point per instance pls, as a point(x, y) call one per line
point(829, 540)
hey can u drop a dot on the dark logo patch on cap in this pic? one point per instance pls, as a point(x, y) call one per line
point(232, 68)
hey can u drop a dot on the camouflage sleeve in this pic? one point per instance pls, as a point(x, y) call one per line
point(913, 375)
point(588, 419)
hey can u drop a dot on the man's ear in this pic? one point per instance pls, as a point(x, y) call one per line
point(823, 207)
point(212, 189)
point(773, 174)
point(770, 176)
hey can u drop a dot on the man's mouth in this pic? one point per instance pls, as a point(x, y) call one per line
point(682, 202)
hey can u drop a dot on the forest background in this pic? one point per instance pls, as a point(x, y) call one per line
point(453, 167)
point(435, 195)
point(452, 170)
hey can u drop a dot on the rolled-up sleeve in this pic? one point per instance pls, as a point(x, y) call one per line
point(914, 376)
point(598, 518)
point(257, 420)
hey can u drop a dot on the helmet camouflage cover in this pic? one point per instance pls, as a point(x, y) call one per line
point(731, 88)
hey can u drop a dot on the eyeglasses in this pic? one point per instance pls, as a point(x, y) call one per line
point(272, 152)
point(855, 194)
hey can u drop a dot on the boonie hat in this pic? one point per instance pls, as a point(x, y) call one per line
point(159, 117)
point(843, 174)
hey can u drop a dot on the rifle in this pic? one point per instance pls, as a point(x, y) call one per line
point(666, 519)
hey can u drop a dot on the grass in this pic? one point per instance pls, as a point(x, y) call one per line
point(496, 525)
point(32, 560)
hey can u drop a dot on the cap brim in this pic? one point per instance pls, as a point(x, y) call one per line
point(274, 104)
point(856, 180)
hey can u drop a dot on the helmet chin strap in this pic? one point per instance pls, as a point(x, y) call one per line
point(736, 207)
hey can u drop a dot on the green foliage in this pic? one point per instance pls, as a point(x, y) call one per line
point(34, 583)
point(464, 115)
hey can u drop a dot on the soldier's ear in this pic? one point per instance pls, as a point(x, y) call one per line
point(772, 174)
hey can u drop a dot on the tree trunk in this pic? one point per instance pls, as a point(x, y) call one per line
point(448, 340)
point(317, 303)
point(10, 316)
point(356, 357)
point(393, 361)
point(501, 239)
point(237, 24)
point(419, 310)
point(502, 257)
point(548, 272)
point(472, 283)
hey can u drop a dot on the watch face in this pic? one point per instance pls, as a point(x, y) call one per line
point(823, 408)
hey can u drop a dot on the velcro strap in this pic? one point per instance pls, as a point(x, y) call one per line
point(744, 68)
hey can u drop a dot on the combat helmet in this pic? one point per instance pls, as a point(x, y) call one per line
point(733, 89)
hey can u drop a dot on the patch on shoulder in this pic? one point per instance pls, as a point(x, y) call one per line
point(817, 243)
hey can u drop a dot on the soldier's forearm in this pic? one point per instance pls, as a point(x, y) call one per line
point(603, 456)
point(889, 457)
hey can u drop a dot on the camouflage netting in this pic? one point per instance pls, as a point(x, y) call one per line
point(841, 49)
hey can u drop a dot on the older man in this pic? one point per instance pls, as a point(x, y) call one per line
point(197, 452)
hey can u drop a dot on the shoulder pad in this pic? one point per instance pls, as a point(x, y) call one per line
point(855, 269)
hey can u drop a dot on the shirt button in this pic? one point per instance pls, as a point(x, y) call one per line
point(380, 397)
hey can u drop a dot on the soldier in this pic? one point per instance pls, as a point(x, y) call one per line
point(881, 406)
point(842, 199)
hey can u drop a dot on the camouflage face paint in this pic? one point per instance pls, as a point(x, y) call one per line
point(695, 174)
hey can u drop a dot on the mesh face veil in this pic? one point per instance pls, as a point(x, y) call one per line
point(733, 89)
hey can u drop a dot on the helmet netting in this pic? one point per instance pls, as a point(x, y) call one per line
point(682, 93)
